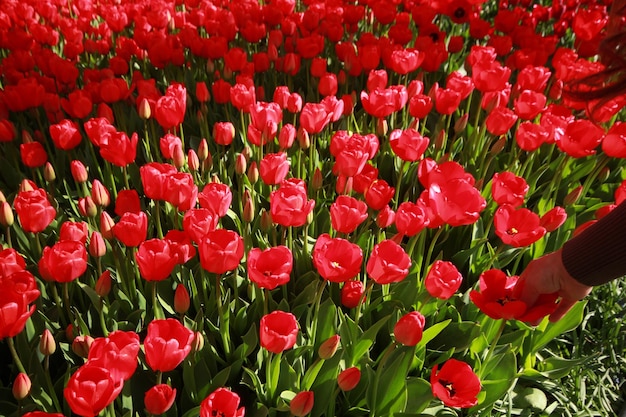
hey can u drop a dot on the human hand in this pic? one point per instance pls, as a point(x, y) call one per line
point(547, 275)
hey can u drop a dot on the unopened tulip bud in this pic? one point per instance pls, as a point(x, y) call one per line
point(6, 214)
point(3, 198)
point(247, 153)
point(310, 217)
point(461, 123)
point(21, 386)
point(144, 109)
point(81, 345)
point(440, 140)
point(87, 207)
point(106, 225)
point(79, 172)
point(48, 172)
point(26, 137)
point(159, 399)
point(385, 217)
point(27, 185)
point(181, 299)
point(415, 124)
point(208, 162)
point(97, 246)
point(240, 164)
point(382, 127)
point(203, 150)
point(104, 284)
point(573, 196)
point(603, 175)
point(100, 194)
point(202, 92)
point(498, 146)
point(302, 403)
point(349, 379)
point(178, 157)
point(106, 112)
point(328, 348)
point(253, 173)
point(47, 344)
point(198, 342)
point(210, 66)
point(192, 160)
point(553, 219)
point(266, 220)
point(248, 207)
point(317, 180)
point(69, 333)
point(303, 138)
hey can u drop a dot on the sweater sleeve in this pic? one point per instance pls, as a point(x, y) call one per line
point(598, 254)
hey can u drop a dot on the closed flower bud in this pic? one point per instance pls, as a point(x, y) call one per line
point(198, 342)
point(203, 150)
point(106, 225)
point(382, 127)
point(328, 348)
point(47, 344)
point(498, 146)
point(266, 220)
point(208, 162)
point(181, 299)
point(316, 182)
point(247, 153)
point(604, 174)
point(349, 379)
point(103, 284)
point(100, 194)
point(87, 207)
point(81, 345)
point(21, 386)
point(178, 157)
point(27, 185)
point(240, 164)
point(3, 198)
point(159, 399)
point(303, 138)
point(192, 160)
point(26, 137)
point(144, 109)
point(440, 140)
point(6, 214)
point(48, 172)
point(461, 123)
point(409, 329)
point(79, 172)
point(309, 217)
point(573, 196)
point(553, 219)
point(248, 208)
point(302, 403)
point(253, 173)
point(97, 246)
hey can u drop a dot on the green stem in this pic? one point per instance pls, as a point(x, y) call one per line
point(16, 358)
point(492, 347)
point(223, 324)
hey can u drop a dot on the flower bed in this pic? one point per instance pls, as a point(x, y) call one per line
point(295, 208)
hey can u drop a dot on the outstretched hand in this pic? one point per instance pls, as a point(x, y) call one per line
point(547, 275)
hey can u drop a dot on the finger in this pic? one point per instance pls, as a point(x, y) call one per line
point(564, 306)
point(524, 290)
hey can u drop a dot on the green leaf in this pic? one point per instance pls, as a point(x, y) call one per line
point(367, 339)
point(431, 332)
point(556, 367)
point(456, 335)
point(311, 374)
point(389, 390)
point(571, 320)
point(498, 377)
point(419, 394)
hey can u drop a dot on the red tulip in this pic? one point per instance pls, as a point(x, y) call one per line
point(271, 267)
point(383, 102)
point(153, 178)
point(168, 143)
point(182, 300)
point(159, 399)
point(347, 213)
point(127, 201)
point(529, 104)
point(388, 263)
point(198, 222)
point(289, 204)
point(216, 197)
point(349, 378)
point(336, 259)
point(220, 251)
point(156, 259)
point(508, 188)
point(10, 261)
point(314, 117)
point(554, 218)
point(119, 149)
point(443, 280)
point(76, 231)
point(379, 194)
point(34, 211)
point(581, 138)
point(117, 353)
point(180, 191)
point(408, 144)
point(614, 143)
point(65, 260)
point(33, 154)
point(65, 135)
point(274, 168)
point(170, 109)
point(517, 227)
point(302, 403)
point(278, 331)
point(21, 386)
point(351, 293)
point(410, 218)
point(167, 344)
point(455, 384)
point(222, 402)
point(408, 330)
point(456, 202)
point(223, 133)
point(98, 130)
point(132, 228)
point(90, 390)
point(500, 120)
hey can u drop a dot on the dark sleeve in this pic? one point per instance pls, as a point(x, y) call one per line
point(598, 254)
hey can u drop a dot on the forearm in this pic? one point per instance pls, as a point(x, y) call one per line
point(598, 254)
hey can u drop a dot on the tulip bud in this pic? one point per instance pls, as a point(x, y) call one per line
point(248, 208)
point(266, 220)
point(47, 344)
point(603, 175)
point(210, 66)
point(208, 162)
point(198, 342)
point(87, 207)
point(415, 124)
point(97, 246)
point(440, 140)
point(553, 219)
point(328, 348)
point(69, 333)
point(79, 172)
point(309, 217)
point(26, 136)
point(498, 146)
point(461, 123)
point(144, 109)
point(352, 293)
point(316, 182)
point(240, 164)
point(573, 196)
point(253, 173)
point(103, 284)
point(303, 138)
point(349, 379)
point(159, 399)
point(385, 217)
point(48, 172)
point(3, 199)
point(302, 403)
point(203, 150)
point(202, 92)
point(181, 299)
point(6, 214)
point(100, 194)
point(27, 185)
point(192, 160)
point(106, 225)
point(106, 112)
point(21, 386)
point(178, 157)
point(81, 345)
point(247, 153)
point(409, 329)
point(382, 127)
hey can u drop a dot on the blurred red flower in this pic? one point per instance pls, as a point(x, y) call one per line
point(221, 402)
point(455, 384)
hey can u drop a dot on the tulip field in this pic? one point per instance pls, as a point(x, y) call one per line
point(302, 207)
